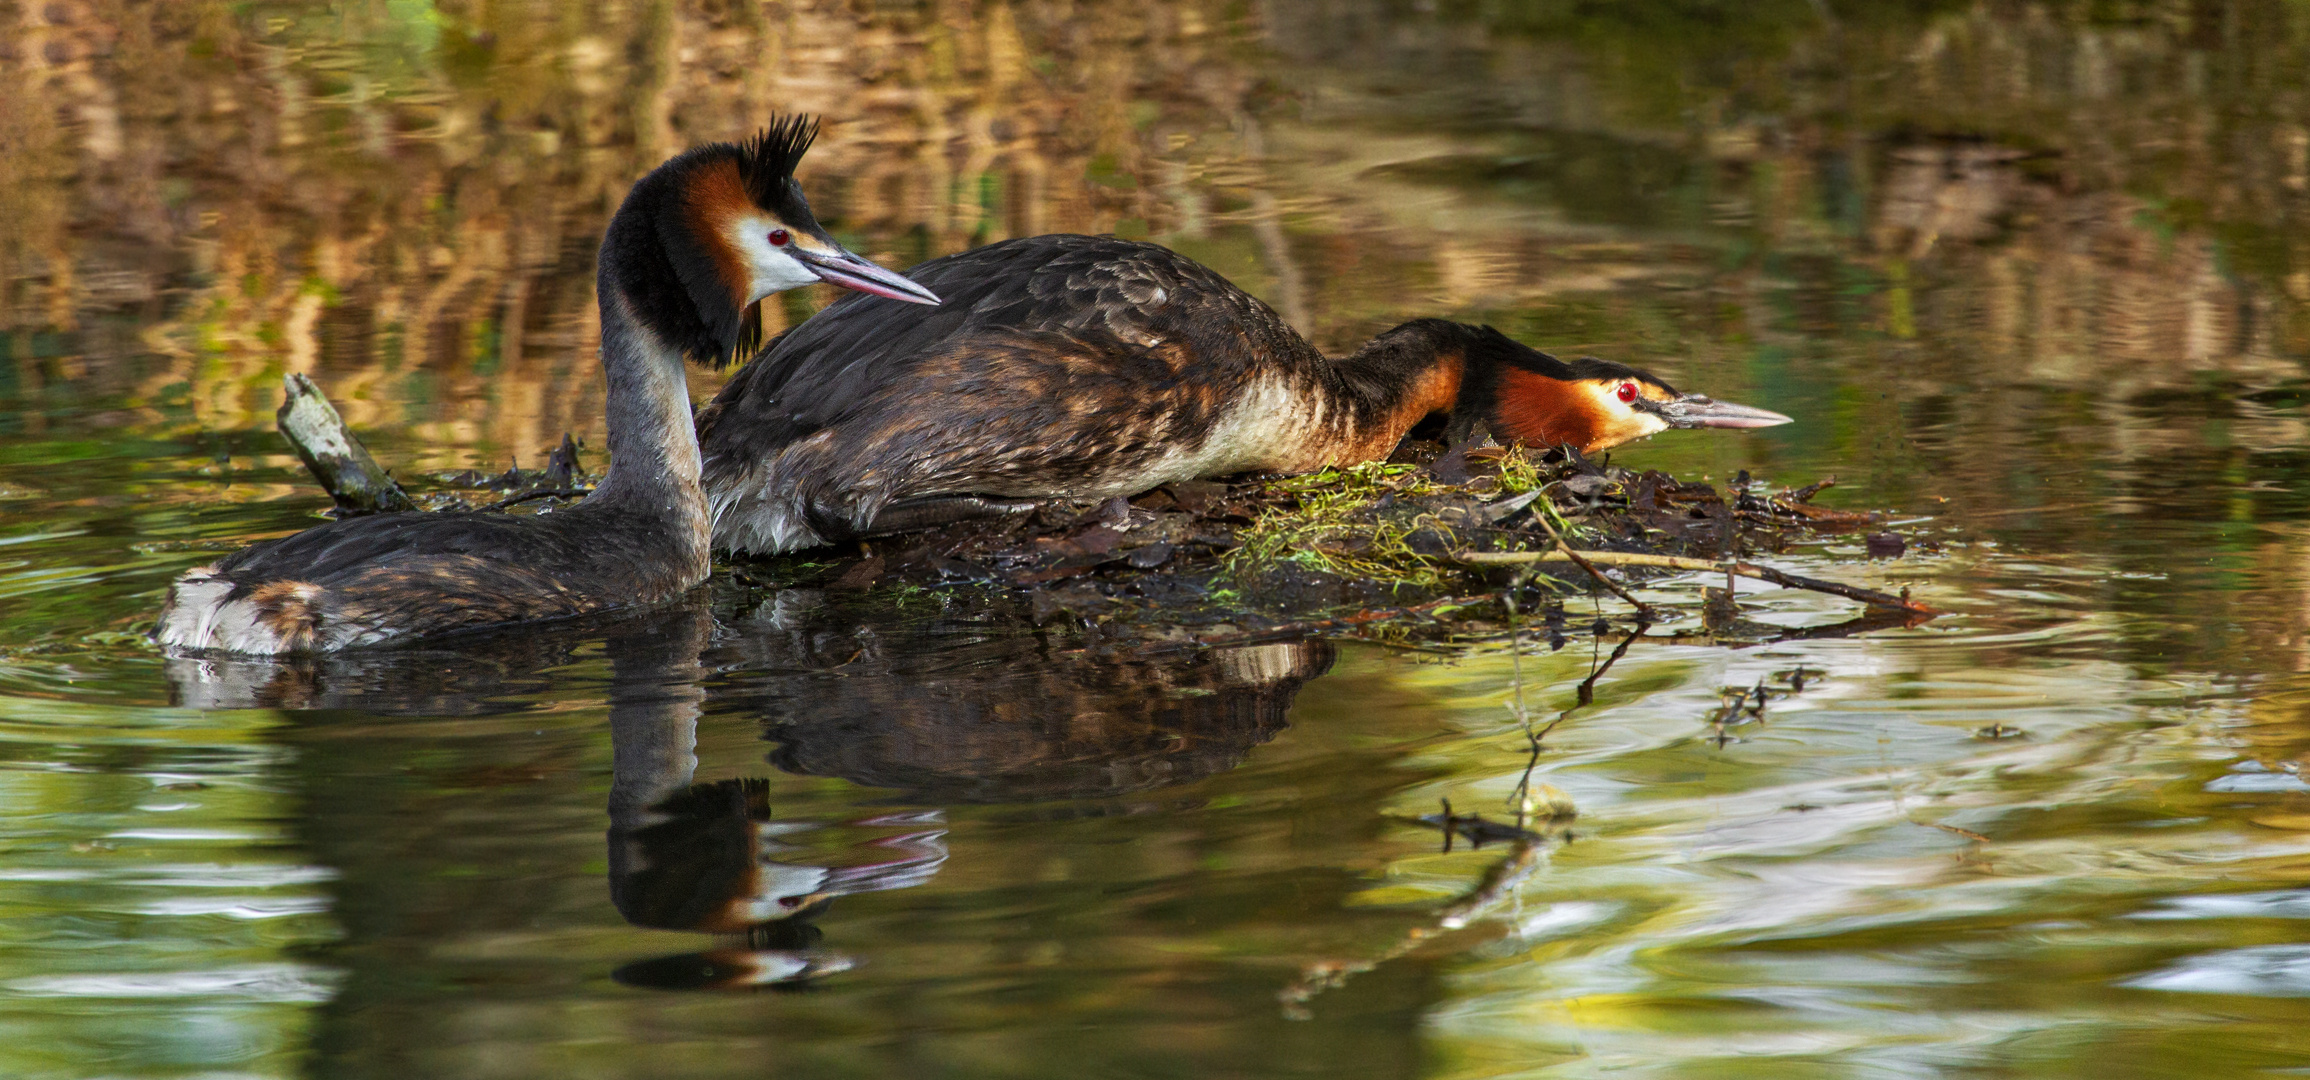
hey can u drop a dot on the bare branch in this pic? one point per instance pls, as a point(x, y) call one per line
point(1589, 560)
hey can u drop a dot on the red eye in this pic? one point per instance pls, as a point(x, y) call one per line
point(1626, 393)
point(778, 237)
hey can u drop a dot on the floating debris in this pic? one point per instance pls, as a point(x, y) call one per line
point(333, 454)
point(1478, 832)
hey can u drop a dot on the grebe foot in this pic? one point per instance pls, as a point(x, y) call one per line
point(932, 511)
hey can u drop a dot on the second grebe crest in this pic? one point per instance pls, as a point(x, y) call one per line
point(733, 224)
point(775, 235)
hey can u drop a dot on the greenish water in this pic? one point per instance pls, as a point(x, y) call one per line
point(2035, 279)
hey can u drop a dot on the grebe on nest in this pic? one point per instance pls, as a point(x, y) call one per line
point(1089, 367)
point(695, 244)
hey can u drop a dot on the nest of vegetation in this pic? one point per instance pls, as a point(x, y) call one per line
point(1427, 545)
point(1432, 542)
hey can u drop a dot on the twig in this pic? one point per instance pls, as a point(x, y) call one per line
point(1643, 610)
point(1966, 833)
point(549, 493)
point(1522, 794)
point(1588, 560)
point(1582, 697)
point(1585, 694)
point(1474, 829)
point(1727, 713)
point(1869, 620)
point(1523, 715)
point(1805, 494)
point(1498, 880)
point(333, 453)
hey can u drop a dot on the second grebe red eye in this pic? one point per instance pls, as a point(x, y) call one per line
point(778, 237)
point(1626, 393)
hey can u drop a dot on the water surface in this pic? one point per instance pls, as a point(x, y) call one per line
point(2031, 276)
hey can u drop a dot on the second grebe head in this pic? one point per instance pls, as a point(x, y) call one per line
point(1533, 398)
point(777, 241)
point(720, 227)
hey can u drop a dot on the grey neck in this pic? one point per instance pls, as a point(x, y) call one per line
point(653, 442)
point(652, 484)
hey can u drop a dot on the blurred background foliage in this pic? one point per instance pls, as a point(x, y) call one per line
point(2101, 196)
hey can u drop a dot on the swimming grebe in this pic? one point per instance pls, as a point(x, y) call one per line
point(1090, 367)
point(696, 243)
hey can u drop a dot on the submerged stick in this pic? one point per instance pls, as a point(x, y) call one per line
point(333, 454)
point(1588, 559)
point(1643, 610)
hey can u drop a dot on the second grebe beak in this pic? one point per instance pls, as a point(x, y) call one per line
point(1700, 410)
point(842, 268)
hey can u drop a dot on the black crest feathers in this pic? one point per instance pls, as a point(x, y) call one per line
point(1507, 350)
point(766, 162)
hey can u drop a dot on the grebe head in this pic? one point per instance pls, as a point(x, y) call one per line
point(730, 226)
point(1535, 399)
point(778, 242)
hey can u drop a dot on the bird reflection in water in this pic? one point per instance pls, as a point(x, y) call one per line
point(940, 711)
point(943, 711)
point(710, 857)
point(965, 711)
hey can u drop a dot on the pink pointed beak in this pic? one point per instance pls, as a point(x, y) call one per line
point(852, 272)
point(1698, 411)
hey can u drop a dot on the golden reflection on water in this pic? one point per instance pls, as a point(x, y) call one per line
point(404, 197)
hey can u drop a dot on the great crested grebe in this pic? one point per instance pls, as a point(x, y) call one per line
point(695, 244)
point(1090, 367)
